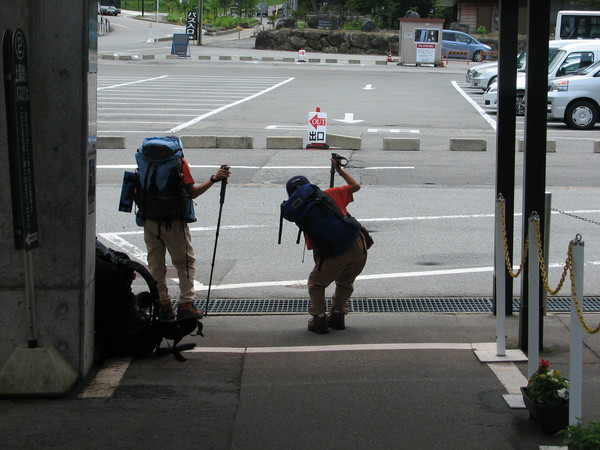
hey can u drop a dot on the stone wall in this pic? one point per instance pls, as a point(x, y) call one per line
point(326, 41)
point(349, 42)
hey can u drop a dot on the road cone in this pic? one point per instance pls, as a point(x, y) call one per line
point(390, 59)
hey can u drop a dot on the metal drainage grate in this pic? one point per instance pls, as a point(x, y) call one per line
point(433, 305)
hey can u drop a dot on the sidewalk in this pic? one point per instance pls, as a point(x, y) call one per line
point(239, 46)
point(402, 380)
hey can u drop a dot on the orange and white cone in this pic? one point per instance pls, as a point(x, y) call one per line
point(390, 59)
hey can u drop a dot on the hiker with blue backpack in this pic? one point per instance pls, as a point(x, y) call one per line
point(338, 241)
point(164, 193)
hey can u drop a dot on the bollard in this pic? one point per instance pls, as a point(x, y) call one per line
point(500, 283)
point(576, 357)
point(533, 353)
point(546, 249)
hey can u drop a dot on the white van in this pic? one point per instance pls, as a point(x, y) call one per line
point(577, 25)
point(566, 60)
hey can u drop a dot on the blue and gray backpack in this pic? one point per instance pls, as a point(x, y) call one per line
point(160, 194)
point(320, 218)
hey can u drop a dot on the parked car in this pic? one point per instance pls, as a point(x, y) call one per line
point(483, 75)
point(457, 40)
point(108, 10)
point(565, 59)
point(575, 99)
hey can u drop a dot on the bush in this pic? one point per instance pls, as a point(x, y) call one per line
point(348, 26)
point(582, 437)
point(229, 22)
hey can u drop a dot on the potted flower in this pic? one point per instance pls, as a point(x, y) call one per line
point(546, 396)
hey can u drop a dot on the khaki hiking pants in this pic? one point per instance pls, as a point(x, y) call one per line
point(342, 269)
point(177, 241)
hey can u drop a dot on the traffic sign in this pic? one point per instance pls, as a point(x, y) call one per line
point(20, 152)
point(301, 55)
point(192, 25)
point(317, 129)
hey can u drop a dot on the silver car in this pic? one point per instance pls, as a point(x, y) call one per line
point(483, 75)
point(563, 59)
point(575, 99)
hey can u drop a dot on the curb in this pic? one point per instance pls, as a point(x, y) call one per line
point(333, 140)
point(141, 57)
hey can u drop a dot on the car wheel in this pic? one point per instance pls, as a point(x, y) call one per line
point(520, 103)
point(477, 56)
point(492, 80)
point(581, 115)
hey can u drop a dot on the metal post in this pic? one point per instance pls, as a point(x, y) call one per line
point(575, 354)
point(546, 253)
point(200, 20)
point(500, 282)
point(506, 132)
point(534, 173)
point(533, 263)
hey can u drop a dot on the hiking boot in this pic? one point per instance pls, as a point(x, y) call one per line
point(166, 313)
point(318, 324)
point(187, 310)
point(335, 320)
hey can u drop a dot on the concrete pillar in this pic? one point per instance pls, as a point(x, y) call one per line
point(62, 76)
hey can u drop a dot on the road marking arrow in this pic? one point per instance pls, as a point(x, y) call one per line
point(368, 87)
point(348, 118)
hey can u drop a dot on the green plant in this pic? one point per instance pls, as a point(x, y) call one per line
point(547, 386)
point(582, 437)
point(482, 30)
point(351, 26)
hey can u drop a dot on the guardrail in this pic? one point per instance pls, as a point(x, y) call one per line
point(457, 53)
point(103, 26)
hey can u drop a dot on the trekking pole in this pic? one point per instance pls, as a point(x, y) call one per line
point(212, 266)
point(332, 170)
point(336, 158)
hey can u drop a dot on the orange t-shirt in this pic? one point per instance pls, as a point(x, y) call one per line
point(186, 172)
point(343, 196)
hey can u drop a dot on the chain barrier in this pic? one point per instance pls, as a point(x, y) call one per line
point(568, 264)
point(575, 216)
point(506, 252)
point(568, 267)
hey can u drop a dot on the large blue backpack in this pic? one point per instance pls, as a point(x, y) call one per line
point(321, 219)
point(161, 194)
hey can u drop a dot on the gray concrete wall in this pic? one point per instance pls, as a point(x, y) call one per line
point(62, 92)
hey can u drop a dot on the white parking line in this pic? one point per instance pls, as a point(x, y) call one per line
point(107, 379)
point(337, 348)
point(205, 166)
point(139, 254)
point(478, 108)
point(230, 105)
point(130, 83)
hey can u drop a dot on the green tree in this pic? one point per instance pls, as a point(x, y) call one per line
point(385, 12)
point(589, 5)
